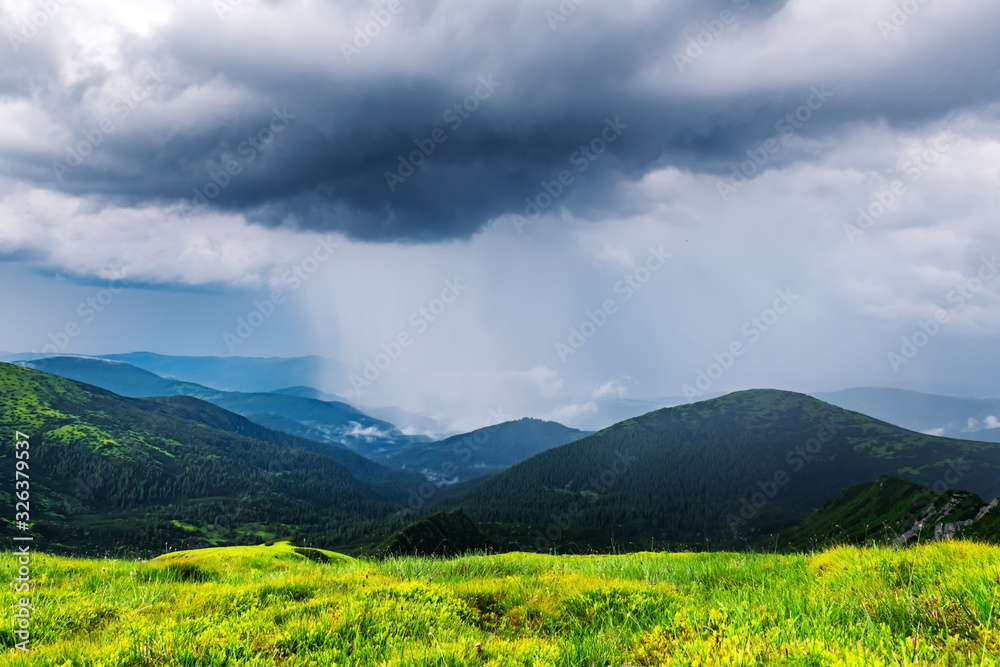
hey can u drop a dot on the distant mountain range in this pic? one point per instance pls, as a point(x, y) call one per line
point(332, 422)
point(241, 374)
point(482, 452)
point(950, 416)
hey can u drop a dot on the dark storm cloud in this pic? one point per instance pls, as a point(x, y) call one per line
point(311, 144)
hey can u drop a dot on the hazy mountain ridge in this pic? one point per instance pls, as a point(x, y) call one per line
point(949, 416)
point(240, 374)
point(323, 421)
point(307, 413)
point(482, 452)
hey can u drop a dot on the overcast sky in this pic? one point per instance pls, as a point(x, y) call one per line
point(630, 200)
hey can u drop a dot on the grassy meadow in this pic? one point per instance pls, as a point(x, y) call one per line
point(935, 604)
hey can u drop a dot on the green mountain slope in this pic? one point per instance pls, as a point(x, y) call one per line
point(109, 472)
point(484, 451)
point(392, 483)
point(888, 510)
point(719, 472)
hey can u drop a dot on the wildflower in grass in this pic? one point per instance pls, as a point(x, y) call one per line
point(479, 648)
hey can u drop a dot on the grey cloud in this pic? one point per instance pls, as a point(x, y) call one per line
point(327, 168)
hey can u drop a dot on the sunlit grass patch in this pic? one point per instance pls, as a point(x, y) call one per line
point(936, 604)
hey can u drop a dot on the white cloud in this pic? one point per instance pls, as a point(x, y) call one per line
point(569, 415)
point(151, 245)
point(610, 388)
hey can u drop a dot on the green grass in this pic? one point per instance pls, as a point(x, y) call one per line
point(285, 551)
point(936, 604)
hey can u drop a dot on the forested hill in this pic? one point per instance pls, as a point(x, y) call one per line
point(719, 472)
point(109, 472)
